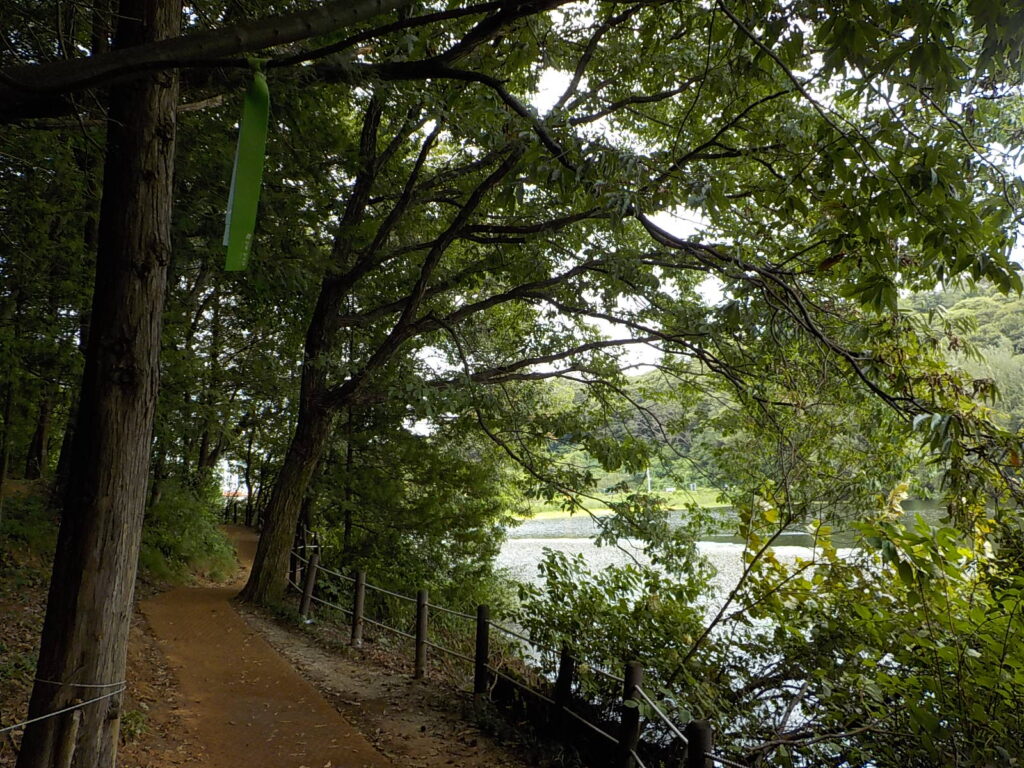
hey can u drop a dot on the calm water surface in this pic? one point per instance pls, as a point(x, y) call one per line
point(524, 549)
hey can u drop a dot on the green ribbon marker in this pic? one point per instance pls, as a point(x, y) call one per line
point(247, 173)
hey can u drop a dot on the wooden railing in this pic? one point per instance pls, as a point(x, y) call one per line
point(688, 746)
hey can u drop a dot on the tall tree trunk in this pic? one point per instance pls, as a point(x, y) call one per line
point(263, 483)
point(306, 511)
point(210, 444)
point(38, 453)
point(267, 578)
point(5, 444)
point(159, 474)
point(266, 581)
point(85, 633)
point(350, 456)
point(63, 472)
point(60, 477)
point(248, 477)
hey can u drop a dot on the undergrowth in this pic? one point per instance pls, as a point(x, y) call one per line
point(28, 534)
point(181, 538)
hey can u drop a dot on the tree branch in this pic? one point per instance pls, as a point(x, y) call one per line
point(41, 90)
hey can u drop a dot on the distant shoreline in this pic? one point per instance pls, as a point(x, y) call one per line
point(705, 498)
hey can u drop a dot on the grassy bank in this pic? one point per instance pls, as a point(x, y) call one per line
point(707, 498)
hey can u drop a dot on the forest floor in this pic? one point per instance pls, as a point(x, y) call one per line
point(213, 685)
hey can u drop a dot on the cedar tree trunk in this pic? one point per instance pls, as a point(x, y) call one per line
point(90, 602)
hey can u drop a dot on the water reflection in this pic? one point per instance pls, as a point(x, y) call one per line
point(524, 549)
point(521, 555)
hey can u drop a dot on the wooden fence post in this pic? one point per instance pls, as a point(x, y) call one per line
point(309, 584)
point(566, 673)
point(358, 602)
point(629, 731)
point(482, 654)
point(421, 634)
point(699, 740)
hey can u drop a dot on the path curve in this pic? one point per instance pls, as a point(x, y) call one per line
point(246, 705)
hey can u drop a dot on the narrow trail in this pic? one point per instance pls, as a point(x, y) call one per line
point(246, 705)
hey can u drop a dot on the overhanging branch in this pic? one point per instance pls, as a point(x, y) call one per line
point(41, 90)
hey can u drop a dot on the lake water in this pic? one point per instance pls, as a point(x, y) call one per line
point(524, 549)
point(526, 543)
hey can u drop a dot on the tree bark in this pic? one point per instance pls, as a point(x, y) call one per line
point(85, 633)
point(248, 477)
point(5, 443)
point(350, 456)
point(266, 582)
point(319, 403)
point(158, 474)
point(210, 446)
point(37, 458)
point(263, 482)
point(60, 478)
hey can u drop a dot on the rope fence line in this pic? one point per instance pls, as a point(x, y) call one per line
point(699, 746)
point(724, 760)
point(335, 606)
point(521, 685)
point(524, 638)
point(62, 711)
point(664, 718)
point(313, 598)
point(325, 569)
point(389, 628)
point(451, 611)
point(590, 725)
point(389, 592)
point(606, 673)
point(450, 652)
point(81, 685)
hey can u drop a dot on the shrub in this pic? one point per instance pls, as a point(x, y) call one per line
point(28, 528)
point(181, 537)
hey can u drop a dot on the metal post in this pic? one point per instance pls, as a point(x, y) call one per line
point(421, 634)
point(629, 730)
point(358, 601)
point(482, 655)
point(309, 584)
point(699, 743)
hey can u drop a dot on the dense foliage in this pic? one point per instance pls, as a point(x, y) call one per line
point(477, 222)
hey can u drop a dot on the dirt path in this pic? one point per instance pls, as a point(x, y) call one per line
point(416, 723)
point(206, 691)
point(243, 702)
